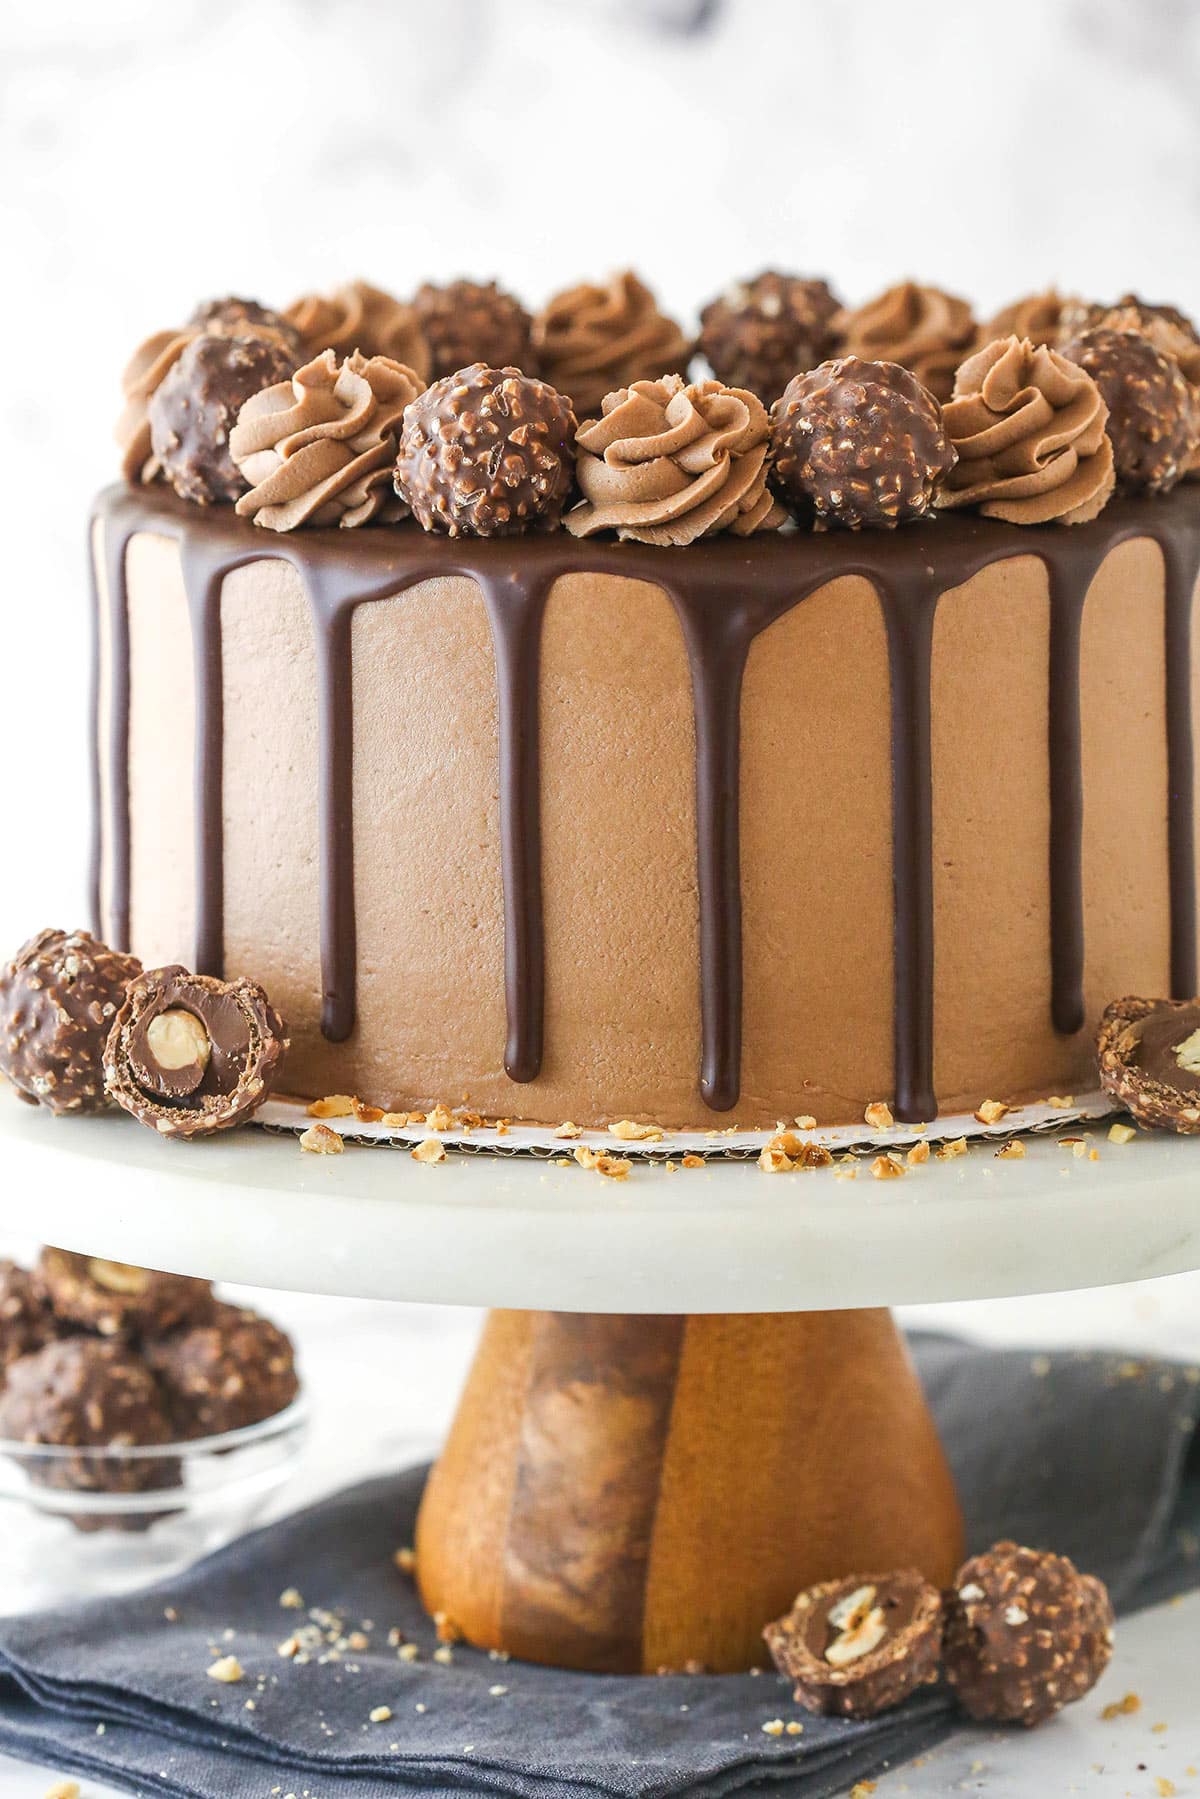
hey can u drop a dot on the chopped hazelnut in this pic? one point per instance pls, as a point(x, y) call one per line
point(319, 1140)
point(430, 1151)
point(1121, 1133)
point(887, 1168)
point(227, 1669)
point(773, 1160)
point(918, 1154)
point(879, 1115)
point(334, 1105)
point(991, 1111)
point(629, 1132)
point(1011, 1152)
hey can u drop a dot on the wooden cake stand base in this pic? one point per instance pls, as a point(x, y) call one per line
point(637, 1493)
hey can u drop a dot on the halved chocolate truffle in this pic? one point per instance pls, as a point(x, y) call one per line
point(190, 1054)
point(1149, 1053)
point(857, 1647)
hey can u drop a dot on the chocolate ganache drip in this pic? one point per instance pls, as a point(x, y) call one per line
point(725, 594)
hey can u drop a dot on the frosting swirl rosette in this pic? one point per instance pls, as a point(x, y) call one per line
point(923, 329)
point(1035, 316)
point(594, 338)
point(361, 317)
point(667, 463)
point(143, 374)
point(1029, 429)
point(319, 449)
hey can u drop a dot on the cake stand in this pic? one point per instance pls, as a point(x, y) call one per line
point(694, 1401)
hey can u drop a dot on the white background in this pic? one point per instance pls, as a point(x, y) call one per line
point(155, 154)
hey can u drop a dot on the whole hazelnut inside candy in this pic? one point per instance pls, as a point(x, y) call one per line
point(58, 998)
point(473, 321)
point(190, 1054)
point(487, 452)
point(1026, 1634)
point(858, 444)
point(232, 316)
point(195, 407)
point(1152, 414)
point(858, 1646)
point(760, 333)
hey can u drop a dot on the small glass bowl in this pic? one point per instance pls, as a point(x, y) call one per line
point(87, 1521)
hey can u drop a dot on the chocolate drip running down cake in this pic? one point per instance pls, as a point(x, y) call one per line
point(821, 818)
point(594, 829)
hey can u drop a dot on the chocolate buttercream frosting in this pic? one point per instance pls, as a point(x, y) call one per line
point(319, 449)
point(150, 362)
point(667, 463)
point(364, 318)
point(923, 329)
point(1029, 429)
point(593, 338)
point(1035, 316)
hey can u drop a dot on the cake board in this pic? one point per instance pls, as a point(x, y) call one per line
point(693, 1400)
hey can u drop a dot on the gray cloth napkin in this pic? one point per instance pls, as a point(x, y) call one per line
point(1091, 1454)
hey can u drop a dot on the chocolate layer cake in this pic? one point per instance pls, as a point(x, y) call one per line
point(729, 829)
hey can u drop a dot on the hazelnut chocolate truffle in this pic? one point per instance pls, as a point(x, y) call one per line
point(195, 406)
point(473, 321)
point(1026, 1634)
point(116, 1299)
point(760, 333)
point(487, 452)
point(82, 1393)
point(189, 1054)
point(858, 443)
point(1163, 324)
point(233, 1370)
point(1149, 1054)
point(857, 1647)
point(235, 317)
point(26, 1324)
point(1151, 409)
point(58, 998)
point(143, 375)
